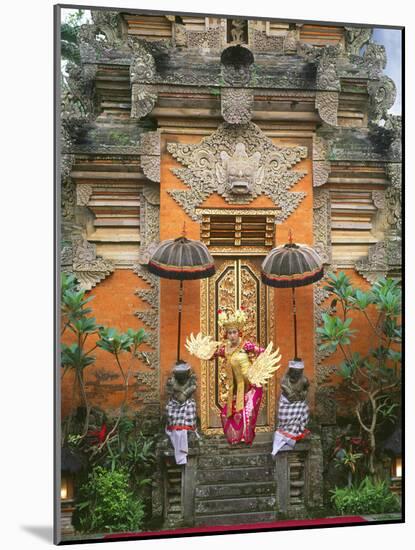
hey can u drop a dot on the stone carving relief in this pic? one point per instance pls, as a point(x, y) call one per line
point(107, 24)
point(80, 258)
point(393, 126)
point(321, 166)
point(211, 38)
point(149, 149)
point(322, 224)
point(238, 174)
point(325, 58)
point(375, 265)
point(236, 65)
point(374, 59)
point(238, 31)
point(382, 94)
point(261, 42)
point(151, 393)
point(356, 38)
point(267, 166)
point(83, 194)
point(142, 70)
point(237, 105)
point(393, 196)
point(327, 105)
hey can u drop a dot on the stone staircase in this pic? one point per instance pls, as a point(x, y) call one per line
point(235, 484)
point(228, 485)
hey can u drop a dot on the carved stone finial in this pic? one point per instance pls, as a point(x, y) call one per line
point(382, 93)
point(356, 38)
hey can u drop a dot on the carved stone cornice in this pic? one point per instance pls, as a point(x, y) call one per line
point(205, 173)
point(81, 260)
point(327, 105)
point(237, 105)
point(151, 167)
point(321, 166)
point(375, 265)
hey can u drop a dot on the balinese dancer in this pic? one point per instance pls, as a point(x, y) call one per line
point(248, 368)
point(181, 409)
point(293, 412)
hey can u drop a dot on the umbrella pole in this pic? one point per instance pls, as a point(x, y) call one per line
point(179, 320)
point(295, 324)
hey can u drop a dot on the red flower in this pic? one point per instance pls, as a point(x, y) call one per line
point(219, 311)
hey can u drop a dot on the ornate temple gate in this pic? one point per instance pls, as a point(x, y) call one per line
point(237, 283)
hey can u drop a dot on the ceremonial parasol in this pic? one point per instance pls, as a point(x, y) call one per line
point(182, 259)
point(289, 266)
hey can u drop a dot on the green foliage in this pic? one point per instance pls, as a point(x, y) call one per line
point(74, 357)
point(367, 498)
point(115, 342)
point(69, 37)
point(105, 503)
point(372, 375)
point(348, 459)
point(335, 332)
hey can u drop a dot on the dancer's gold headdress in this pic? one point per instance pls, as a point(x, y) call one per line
point(228, 319)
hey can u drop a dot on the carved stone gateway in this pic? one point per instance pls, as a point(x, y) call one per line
point(237, 158)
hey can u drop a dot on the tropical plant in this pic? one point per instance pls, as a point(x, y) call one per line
point(69, 37)
point(76, 356)
point(367, 498)
point(372, 376)
point(106, 503)
point(117, 343)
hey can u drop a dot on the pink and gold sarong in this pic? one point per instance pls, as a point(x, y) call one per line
point(240, 426)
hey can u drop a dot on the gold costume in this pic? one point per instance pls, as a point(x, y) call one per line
point(237, 365)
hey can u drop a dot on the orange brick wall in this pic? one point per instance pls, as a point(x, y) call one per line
point(113, 305)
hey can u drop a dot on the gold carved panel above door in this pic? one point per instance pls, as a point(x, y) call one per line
point(236, 283)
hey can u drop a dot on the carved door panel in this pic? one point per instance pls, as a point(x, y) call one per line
point(237, 283)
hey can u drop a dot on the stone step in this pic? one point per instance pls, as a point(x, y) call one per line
point(230, 490)
point(264, 447)
point(235, 475)
point(223, 460)
point(235, 519)
point(235, 505)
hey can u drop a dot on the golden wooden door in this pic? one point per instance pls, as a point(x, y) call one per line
point(237, 283)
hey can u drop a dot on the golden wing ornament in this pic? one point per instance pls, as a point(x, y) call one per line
point(203, 347)
point(264, 366)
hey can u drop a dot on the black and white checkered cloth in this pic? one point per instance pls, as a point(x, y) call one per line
point(292, 416)
point(181, 414)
